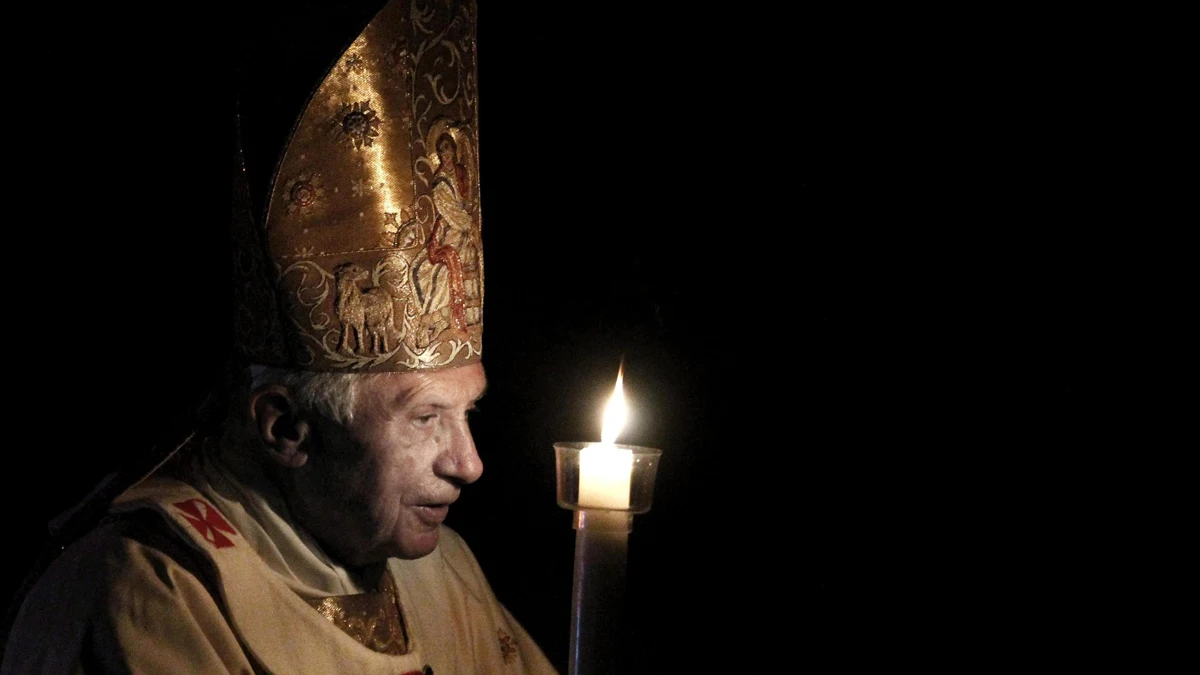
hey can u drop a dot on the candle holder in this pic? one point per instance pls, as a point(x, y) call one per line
point(605, 484)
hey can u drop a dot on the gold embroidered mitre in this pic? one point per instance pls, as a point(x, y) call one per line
point(368, 254)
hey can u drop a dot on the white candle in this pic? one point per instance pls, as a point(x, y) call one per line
point(604, 477)
point(605, 470)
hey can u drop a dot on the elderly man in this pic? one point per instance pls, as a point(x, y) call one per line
point(298, 528)
point(307, 538)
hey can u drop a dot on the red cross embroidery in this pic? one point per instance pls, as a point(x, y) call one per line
point(207, 521)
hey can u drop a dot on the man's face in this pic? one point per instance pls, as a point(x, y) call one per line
point(381, 486)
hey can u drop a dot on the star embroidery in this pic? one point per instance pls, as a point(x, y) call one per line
point(207, 521)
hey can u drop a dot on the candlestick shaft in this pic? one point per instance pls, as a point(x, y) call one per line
point(598, 592)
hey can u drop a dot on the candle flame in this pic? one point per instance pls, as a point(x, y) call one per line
point(614, 412)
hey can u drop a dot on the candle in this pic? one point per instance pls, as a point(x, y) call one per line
point(604, 477)
point(609, 494)
point(604, 470)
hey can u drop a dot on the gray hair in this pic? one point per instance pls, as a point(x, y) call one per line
point(330, 394)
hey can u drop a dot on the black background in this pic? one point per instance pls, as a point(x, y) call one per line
point(863, 283)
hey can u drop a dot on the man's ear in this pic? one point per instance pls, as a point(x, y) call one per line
point(280, 425)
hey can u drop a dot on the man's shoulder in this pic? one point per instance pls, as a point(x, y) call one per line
point(122, 567)
point(125, 551)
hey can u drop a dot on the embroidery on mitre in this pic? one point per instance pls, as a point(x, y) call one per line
point(367, 315)
point(305, 193)
point(508, 646)
point(357, 122)
point(207, 521)
point(378, 314)
point(380, 174)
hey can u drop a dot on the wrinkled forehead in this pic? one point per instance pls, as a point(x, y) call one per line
point(446, 387)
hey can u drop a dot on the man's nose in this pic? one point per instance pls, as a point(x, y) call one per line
point(459, 459)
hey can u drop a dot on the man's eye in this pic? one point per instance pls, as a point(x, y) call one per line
point(426, 419)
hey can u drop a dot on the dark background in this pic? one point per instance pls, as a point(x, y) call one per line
point(864, 285)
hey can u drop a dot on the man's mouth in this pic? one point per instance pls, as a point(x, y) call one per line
point(432, 514)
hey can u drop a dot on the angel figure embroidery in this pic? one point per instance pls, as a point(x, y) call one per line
point(450, 279)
